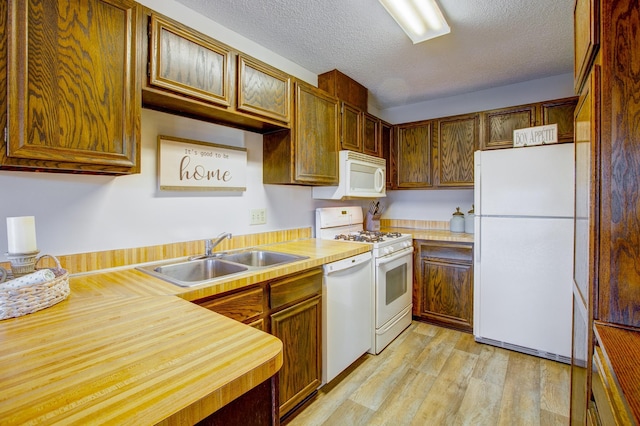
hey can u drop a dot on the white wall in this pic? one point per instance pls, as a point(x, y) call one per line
point(544, 89)
point(81, 213)
point(427, 204)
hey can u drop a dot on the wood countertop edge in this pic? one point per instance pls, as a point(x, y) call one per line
point(202, 408)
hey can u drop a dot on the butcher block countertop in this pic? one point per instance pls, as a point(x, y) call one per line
point(434, 234)
point(129, 281)
point(123, 349)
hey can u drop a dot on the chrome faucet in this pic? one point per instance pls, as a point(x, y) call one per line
point(209, 245)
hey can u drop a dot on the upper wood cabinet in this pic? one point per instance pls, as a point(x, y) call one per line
point(360, 131)
point(499, 125)
point(586, 30)
point(344, 88)
point(457, 138)
point(386, 147)
point(438, 153)
point(412, 152)
point(560, 112)
point(187, 62)
point(308, 153)
point(263, 90)
point(435, 153)
point(371, 143)
point(73, 86)
point(194, 75)
point(350, 127)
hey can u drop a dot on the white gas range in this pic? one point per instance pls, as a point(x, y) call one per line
point(392, 270)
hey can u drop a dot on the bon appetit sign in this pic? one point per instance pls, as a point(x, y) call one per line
point(539, 135)
point(185, 164)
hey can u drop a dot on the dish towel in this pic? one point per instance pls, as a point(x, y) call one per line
point(38, 277)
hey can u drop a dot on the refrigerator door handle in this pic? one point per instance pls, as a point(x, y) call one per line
point(477, 183)
point(478, 231)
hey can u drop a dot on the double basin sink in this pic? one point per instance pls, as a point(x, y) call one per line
point(198, 271)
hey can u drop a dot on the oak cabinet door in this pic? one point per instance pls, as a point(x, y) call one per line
point(499, 125)
point(350, 127)
point(371, 135)
point(73, 86)
point(386, 148)
point(306, 154)
point(413, 155)
point(316, 131)
point(299, 329)
point(560, 112)
point(444, 286)
point(188, 63)
point(586, 31)
point(456, 141)
point(263, 90)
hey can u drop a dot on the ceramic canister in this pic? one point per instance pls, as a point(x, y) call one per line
point(456, 224)
point(468, 221)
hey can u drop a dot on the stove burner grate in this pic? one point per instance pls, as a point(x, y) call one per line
point(359, 238)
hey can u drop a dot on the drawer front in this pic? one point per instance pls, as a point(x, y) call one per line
point(455, 252)
point(239, 306)
point(295, 288)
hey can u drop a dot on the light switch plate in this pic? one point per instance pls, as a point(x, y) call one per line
point(258, 216)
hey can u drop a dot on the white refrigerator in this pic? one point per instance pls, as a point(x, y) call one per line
point(524, 249)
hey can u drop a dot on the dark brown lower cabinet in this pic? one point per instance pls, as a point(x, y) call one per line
point(290, 309)
point(258, 407)
point(299, 329)
point(443, 284)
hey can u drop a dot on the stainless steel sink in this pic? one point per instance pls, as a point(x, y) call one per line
point(199, 271)
point(194, 272)
point(261, 258)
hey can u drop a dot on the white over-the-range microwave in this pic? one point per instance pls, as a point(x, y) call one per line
point(360, 176)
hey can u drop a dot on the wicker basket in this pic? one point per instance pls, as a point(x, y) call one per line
point(15, 302)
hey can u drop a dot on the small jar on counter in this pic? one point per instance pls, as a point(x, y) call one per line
point(456, 224)
point(468, 221)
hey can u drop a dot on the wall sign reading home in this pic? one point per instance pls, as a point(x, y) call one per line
point(185, 164)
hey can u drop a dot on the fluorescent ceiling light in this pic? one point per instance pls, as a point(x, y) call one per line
point(420, 19)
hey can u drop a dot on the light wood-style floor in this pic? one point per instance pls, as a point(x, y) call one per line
point(435, 376)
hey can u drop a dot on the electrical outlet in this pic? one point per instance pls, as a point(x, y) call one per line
point(258, 216)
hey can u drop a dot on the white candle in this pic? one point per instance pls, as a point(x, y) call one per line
point(21, 234)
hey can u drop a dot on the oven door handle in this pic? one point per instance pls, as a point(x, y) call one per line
point(386, 259)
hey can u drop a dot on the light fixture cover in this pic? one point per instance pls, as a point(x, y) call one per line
point(420, 19)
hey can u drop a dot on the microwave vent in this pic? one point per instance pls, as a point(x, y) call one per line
point(352, 155)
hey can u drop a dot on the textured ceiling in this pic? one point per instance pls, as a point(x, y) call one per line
point(492, 42)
